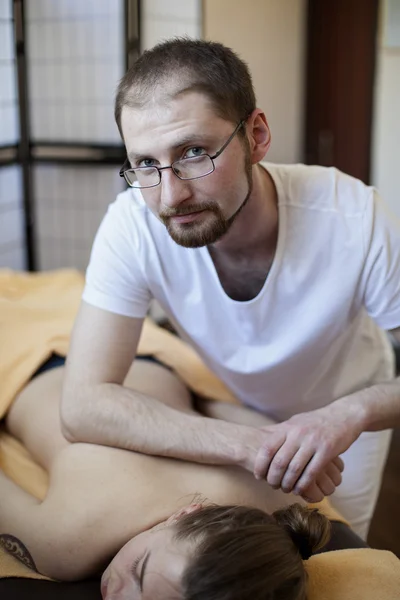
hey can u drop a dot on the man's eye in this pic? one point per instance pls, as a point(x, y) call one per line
point(193, 152)
point(146, 162)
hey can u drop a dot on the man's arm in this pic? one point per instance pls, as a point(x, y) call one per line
point(327, 480)
point(298, 449)
point(379, 405)
point(96, 408)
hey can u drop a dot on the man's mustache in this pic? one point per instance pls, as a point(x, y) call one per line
point(166, 213)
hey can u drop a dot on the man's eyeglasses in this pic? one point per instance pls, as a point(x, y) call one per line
point(192, 167)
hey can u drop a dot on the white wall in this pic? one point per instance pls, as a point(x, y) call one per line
point(386, 129)
point(162, 19)
point(270, 35)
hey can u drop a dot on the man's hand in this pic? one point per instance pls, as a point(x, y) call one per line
point(326, 482)
point(298, 450)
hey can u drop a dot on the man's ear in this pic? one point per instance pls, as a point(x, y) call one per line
point(258, 134)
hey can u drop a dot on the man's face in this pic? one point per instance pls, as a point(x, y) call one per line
point(196, 212)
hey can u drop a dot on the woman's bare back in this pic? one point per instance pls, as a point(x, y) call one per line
point(109, 495)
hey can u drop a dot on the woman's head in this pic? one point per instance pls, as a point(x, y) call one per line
point(221, 552)
point(244, 552)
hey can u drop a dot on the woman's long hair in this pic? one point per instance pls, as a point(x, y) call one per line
point(243, 553)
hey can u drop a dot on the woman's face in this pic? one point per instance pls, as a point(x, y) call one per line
point(150, 566)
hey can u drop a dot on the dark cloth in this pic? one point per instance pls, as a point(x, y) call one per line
point(56, 360)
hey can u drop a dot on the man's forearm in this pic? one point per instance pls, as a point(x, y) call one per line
point(115, 416)
point(378, 407)
point(234, 413)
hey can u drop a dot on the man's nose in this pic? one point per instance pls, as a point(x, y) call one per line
point(174, 191)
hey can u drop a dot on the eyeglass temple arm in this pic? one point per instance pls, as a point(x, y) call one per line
point(127, 165)
point(228, 140)
point(124, 167)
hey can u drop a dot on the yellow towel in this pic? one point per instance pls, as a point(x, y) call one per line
point(18, 465)
point(11, 567)
point(37, 311)
point(359, 574)
point(36, 317)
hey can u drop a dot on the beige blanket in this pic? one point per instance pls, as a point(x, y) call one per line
point(36, 317)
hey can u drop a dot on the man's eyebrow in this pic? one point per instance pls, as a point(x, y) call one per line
point(189, 139)
point(143, 570)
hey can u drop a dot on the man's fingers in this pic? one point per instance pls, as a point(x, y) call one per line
point(325, 484)
point(264, 458)
point(313, 494)
point(327, 478)
point(310, 474)
point(339, 463)
point(279, 464)
point(332, 471)
point(295, 468)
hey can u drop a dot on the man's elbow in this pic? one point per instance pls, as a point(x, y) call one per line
point(68, 432)
point(71, 416)
point(68, 429)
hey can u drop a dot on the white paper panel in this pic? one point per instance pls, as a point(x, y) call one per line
point(9, 131)
point(5, 9)
point(9, 128)
point(13, 258)
point(76, 58)
point(10, 186)
point(12, 223)
point(70, 204)
point(6, 40)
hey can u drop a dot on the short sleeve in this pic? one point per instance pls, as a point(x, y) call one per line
point(114, 277)
point(381, 274)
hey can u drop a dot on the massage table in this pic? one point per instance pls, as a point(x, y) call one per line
point(37, 311)
point(29, 589)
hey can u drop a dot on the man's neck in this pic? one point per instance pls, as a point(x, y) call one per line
point(253, 234)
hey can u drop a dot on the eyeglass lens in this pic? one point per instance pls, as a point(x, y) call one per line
point(187, 168)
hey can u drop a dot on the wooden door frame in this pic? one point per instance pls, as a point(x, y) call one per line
point(340, 78)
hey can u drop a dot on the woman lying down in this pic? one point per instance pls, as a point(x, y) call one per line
point(157, 527)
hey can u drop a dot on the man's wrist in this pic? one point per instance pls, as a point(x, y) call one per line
point(352, 409)
point(374, 408)
point(248, 442)
point(232, 444)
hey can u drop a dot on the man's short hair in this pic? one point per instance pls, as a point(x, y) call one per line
point(191, 66)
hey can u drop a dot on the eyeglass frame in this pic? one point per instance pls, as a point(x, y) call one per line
point(123, 170)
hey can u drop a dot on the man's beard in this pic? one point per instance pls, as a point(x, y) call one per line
point(195, 235)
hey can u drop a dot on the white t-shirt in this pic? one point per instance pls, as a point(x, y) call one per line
point(313, 333)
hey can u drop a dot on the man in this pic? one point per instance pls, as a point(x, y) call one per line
point(281, 277)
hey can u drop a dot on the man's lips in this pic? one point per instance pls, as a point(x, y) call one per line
point(186, 218)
